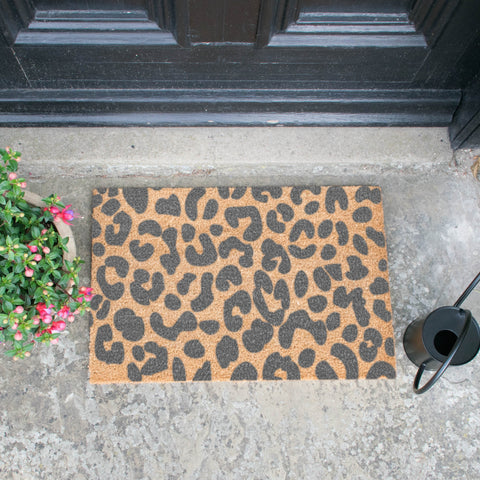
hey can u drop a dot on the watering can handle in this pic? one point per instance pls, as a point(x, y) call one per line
point(446, 363)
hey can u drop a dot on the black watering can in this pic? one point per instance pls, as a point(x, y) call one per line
point(447, 336)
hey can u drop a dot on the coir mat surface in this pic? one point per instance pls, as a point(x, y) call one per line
point(239, 283)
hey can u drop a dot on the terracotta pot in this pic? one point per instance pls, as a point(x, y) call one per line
point(63, 229)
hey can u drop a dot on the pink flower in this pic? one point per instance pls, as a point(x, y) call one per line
point(64, 311)
point(32, 248)
point(68, 214)
point(87, 292)
point(28, 272)
point(15, 326)
point(23, 185)
point(18, 309)
point(46, 318)
point(58, 326)
point(53, 210)
point(45, 250)
point(12, 176)
point(71, 318)
point(37, 257)
point(18, 336)
point(54, 341)
point(36, 320)
point(44, 231)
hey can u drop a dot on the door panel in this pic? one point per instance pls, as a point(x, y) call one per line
point(329, 53)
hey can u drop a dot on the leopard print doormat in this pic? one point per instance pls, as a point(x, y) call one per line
point(239, 284)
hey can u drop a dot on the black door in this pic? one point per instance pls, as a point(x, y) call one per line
point(235, 61)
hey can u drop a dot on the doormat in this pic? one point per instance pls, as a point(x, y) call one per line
point(239, 283)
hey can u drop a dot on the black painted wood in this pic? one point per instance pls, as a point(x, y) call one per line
point(315, 62)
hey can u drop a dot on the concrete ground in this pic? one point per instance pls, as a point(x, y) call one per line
point(55, 425)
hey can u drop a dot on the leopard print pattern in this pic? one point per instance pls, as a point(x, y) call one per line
point(239, 283)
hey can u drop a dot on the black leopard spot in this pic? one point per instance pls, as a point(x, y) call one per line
point(104, 311)
point(224, 192)
point(244, 371)
point(137, 198)
point(226, 351)
point(95, 302)
point(172, 302)
point(141, 253)
point(204, 373)
point(185, 323)
point(116, 290)
point(389, 347)
point(360, 244)
point(342, 232)
point(382, 265)
point(98, 249)
point(306, 358)
point(211, 209)
point(380, 310)
point(301, 319)
point(119, 238)
point(170, 261)
point(286, 211)
point(328, 252)
point(205, 298)
point(334, 195)
point(357, 269)
point(150, 226)
point(302, 225)
point(301, 284)
point(133, 373)
point(364, 193)
point(168, 206)
point(259, 334)
point(317, 304)
point(178, 370)
point(116, 354)
point(333, 321)
point(194, 349)
point(324, 371)
point(325, 229)
point(254, 230)
point(188, 232)
point(369, 347)
point(112, 192)
point(158, 363)
point(302, 253)
point(238, 192)
point(241, 300)
point(233, 243)
point(273, 224)
point(379, 286)
point(216, 230)
point(350, 333)
point(111, 207)
point(131, 326)
point(263, 283)
point(276, 362)
point(139, 293)
point(296, 193)
point(257, 193)
point(271, 251)
point(96, 200)
point(208, 255)
point(335, 271)
point(348, 358)
point(191, 202)
point(375, 236)
point(355, 297)
point(322, 279)
point(228, 274)
point(183, 286)
point(312, 208)
point(362, 215)
point(210, 327)
point(96, 229)
point(138, 353)
point(381, 369)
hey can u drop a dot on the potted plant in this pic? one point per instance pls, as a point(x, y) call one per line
point(39, 285)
